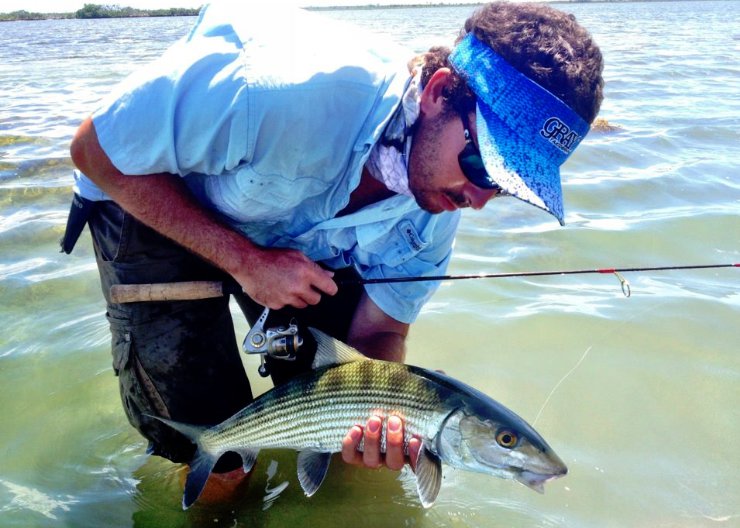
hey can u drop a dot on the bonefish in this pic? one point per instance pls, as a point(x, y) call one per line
point(312, 413)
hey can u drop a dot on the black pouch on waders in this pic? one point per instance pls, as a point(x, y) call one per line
point(79, 212)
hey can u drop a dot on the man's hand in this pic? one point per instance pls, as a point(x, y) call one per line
point(284, 277)
point(371, 457)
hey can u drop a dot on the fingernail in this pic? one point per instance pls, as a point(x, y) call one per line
point(355, 433)
point(394, 424)
point(373, 425)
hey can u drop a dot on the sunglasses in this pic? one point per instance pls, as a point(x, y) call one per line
point(471, 162)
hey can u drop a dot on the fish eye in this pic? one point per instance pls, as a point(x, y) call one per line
point(506, 438)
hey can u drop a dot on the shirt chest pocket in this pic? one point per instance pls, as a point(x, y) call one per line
point(390, 243)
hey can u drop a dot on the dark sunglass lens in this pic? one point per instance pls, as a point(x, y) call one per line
point(471, 162)
point(472, 166)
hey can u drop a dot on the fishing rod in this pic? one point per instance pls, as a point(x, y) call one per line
point(180, 291)
point(536, 273)
point(626, 290)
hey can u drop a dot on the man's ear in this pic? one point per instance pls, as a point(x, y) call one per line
point(433, 96)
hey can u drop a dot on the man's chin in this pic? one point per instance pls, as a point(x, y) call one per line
point(426, 203)
point(430, 208)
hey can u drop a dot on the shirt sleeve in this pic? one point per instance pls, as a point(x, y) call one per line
point(404, 300)
point(186, 112)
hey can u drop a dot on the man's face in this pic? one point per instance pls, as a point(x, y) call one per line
point(435, 177)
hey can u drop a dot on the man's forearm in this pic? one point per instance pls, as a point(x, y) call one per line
point(272, 277)
point(376, 334)
point(162, 202)
point(387, 346)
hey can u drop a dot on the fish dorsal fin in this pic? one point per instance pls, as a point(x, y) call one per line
point(312, 468)
point(428, 476)
point(330, 351)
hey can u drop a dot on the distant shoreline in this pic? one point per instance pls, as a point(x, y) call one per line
point(95, 11)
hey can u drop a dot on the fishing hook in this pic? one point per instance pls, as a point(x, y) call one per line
point(624, 283)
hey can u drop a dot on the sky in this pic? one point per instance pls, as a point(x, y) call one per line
point(65, 6)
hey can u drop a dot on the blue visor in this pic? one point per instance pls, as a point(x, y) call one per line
point(525, 133)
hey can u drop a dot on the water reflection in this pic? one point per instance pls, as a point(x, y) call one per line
point(273, 497)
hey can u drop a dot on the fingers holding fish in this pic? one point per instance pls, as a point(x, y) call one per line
point(350, 453)
point(414, 450)
point(394, 456)
point(371, 456)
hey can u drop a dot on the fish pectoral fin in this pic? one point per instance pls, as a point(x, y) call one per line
point(428, 476)
point(330, 351)
point(312, 468)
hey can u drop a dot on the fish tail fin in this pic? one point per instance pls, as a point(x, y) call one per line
point(200, 469)
point(201, 464)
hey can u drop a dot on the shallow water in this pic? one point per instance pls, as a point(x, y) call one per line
point(638, 395)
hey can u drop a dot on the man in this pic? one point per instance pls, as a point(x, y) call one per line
point(286, 151)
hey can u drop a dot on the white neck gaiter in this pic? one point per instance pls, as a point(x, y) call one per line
point(388, 160)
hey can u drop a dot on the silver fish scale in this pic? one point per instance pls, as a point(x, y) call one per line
point(317, 411)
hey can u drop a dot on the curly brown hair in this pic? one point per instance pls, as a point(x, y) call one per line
point(545, 44)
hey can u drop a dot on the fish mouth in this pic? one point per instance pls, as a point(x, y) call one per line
point(536, 481)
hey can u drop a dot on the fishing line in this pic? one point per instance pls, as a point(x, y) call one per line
point(557, 385)
point(586, 353)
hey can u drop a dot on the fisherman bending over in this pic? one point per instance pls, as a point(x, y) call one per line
point(286, 151)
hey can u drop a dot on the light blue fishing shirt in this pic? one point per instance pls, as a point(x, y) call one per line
point(269, 117)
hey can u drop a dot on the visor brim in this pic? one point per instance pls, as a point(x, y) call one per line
point(517, 166)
